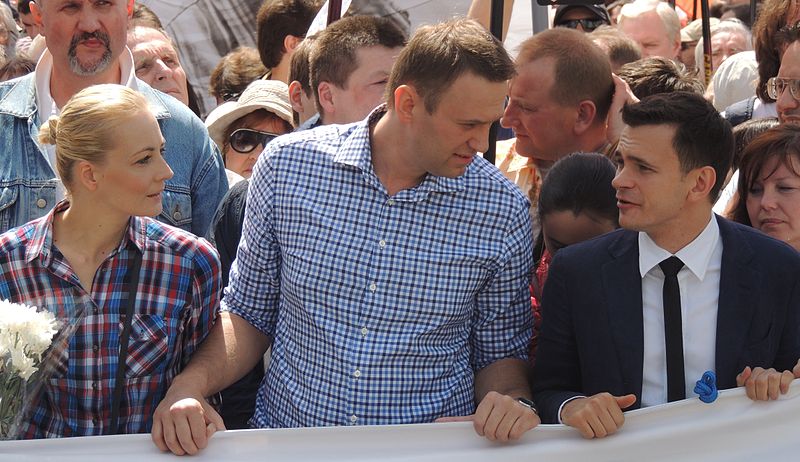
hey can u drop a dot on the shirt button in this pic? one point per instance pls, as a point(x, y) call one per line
point(363, 331)
point(177, 216)
point(95, 310)
point(390, 202)
point(373, 287)
point(94, 420)
point(382, 243)
point(357, 373)
point(94, 385)
point(95, 348)
point(41, 203)
point(353, 418)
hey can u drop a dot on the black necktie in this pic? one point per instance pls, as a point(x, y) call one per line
point(673, 336)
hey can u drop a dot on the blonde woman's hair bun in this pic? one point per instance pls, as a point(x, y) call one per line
point(48, 134)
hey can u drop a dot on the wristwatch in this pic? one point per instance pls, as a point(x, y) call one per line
point(529, 404)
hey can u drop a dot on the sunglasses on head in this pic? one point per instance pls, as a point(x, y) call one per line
point(244, 140)
point(587, 24)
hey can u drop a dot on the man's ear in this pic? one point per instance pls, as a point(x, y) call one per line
point(290, 42)
point(325, 97)
point(130, 8)
point(36, 13)
point(406, 101)
point(704, 179)
point(585, 116)
point(296, 96)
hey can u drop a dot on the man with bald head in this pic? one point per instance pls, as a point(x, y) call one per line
point(86, 46)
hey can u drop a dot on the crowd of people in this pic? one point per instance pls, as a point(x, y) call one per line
point(328, 245)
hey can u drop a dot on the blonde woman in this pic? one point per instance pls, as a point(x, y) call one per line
point(150, 290)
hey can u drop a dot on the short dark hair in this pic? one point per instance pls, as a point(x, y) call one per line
point(580, 182)
point(746, 132)
point(582, 70)
point(24, 6)
point(333, 57)
point(437, 55)
point(299, 68)
point(702, 136)
point(278, 18)
point(620, 48)
point(144, 16)
point(234, 72)
point(781, 142)
point(653, 75)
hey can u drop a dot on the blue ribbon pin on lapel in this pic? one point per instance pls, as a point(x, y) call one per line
point(706, 387)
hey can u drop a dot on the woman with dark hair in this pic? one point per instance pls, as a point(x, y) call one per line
point(769, 184)
point(576, 203)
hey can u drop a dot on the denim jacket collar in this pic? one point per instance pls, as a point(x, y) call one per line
point(20, 101)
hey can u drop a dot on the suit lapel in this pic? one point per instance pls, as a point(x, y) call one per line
point(623, 291)
point(738, 299)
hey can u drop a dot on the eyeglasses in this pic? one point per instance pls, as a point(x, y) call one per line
point(776, 86)
point(587, 24)
point(244, 140)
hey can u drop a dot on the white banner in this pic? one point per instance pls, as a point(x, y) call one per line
point(732, 428)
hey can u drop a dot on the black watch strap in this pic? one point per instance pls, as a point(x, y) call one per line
point(529, 404)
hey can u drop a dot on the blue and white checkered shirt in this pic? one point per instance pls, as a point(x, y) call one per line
point(382, 307)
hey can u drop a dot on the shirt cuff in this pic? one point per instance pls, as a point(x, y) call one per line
point(560, 408)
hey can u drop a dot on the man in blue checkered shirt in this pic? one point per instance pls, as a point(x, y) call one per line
point(385, 263)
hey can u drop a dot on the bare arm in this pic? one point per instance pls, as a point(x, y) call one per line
point(507, 376)
point(481, 11)
point(499, 415)
point(183, 421)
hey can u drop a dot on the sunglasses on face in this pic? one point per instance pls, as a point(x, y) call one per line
point(587, 24)
point(244, 140)
point(776, 86)
point(229, 96)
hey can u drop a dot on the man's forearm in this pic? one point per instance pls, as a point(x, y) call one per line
point(231, 349)
point(507, 376)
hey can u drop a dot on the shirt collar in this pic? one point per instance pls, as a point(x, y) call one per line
point(41, 243)
point(356, 151)
point(44, 72)
point(696, 255)
point(519, 162)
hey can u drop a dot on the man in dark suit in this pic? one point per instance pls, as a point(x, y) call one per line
point(676, 292)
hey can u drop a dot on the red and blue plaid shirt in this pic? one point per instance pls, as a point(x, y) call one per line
point(176, 304)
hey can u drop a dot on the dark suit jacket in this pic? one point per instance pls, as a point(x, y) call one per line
point(592, 332)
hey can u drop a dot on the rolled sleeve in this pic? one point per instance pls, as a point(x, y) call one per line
point(253, 291)
point(502, 320)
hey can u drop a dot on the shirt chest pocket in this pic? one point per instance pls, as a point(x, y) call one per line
point(148, 345)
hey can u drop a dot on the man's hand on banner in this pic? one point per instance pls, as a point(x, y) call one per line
point(183, 424)
point(499, 418)
point(596, 416)
point(766, 384)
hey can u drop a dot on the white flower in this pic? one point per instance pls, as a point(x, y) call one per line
point(22, 364)
point(31, 328)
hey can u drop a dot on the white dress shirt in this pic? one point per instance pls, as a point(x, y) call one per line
point(699, 287)
point(47, 107)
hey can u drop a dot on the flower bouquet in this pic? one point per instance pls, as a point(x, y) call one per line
point(30, 340)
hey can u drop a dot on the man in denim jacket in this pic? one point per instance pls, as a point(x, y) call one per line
point(86, 46)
